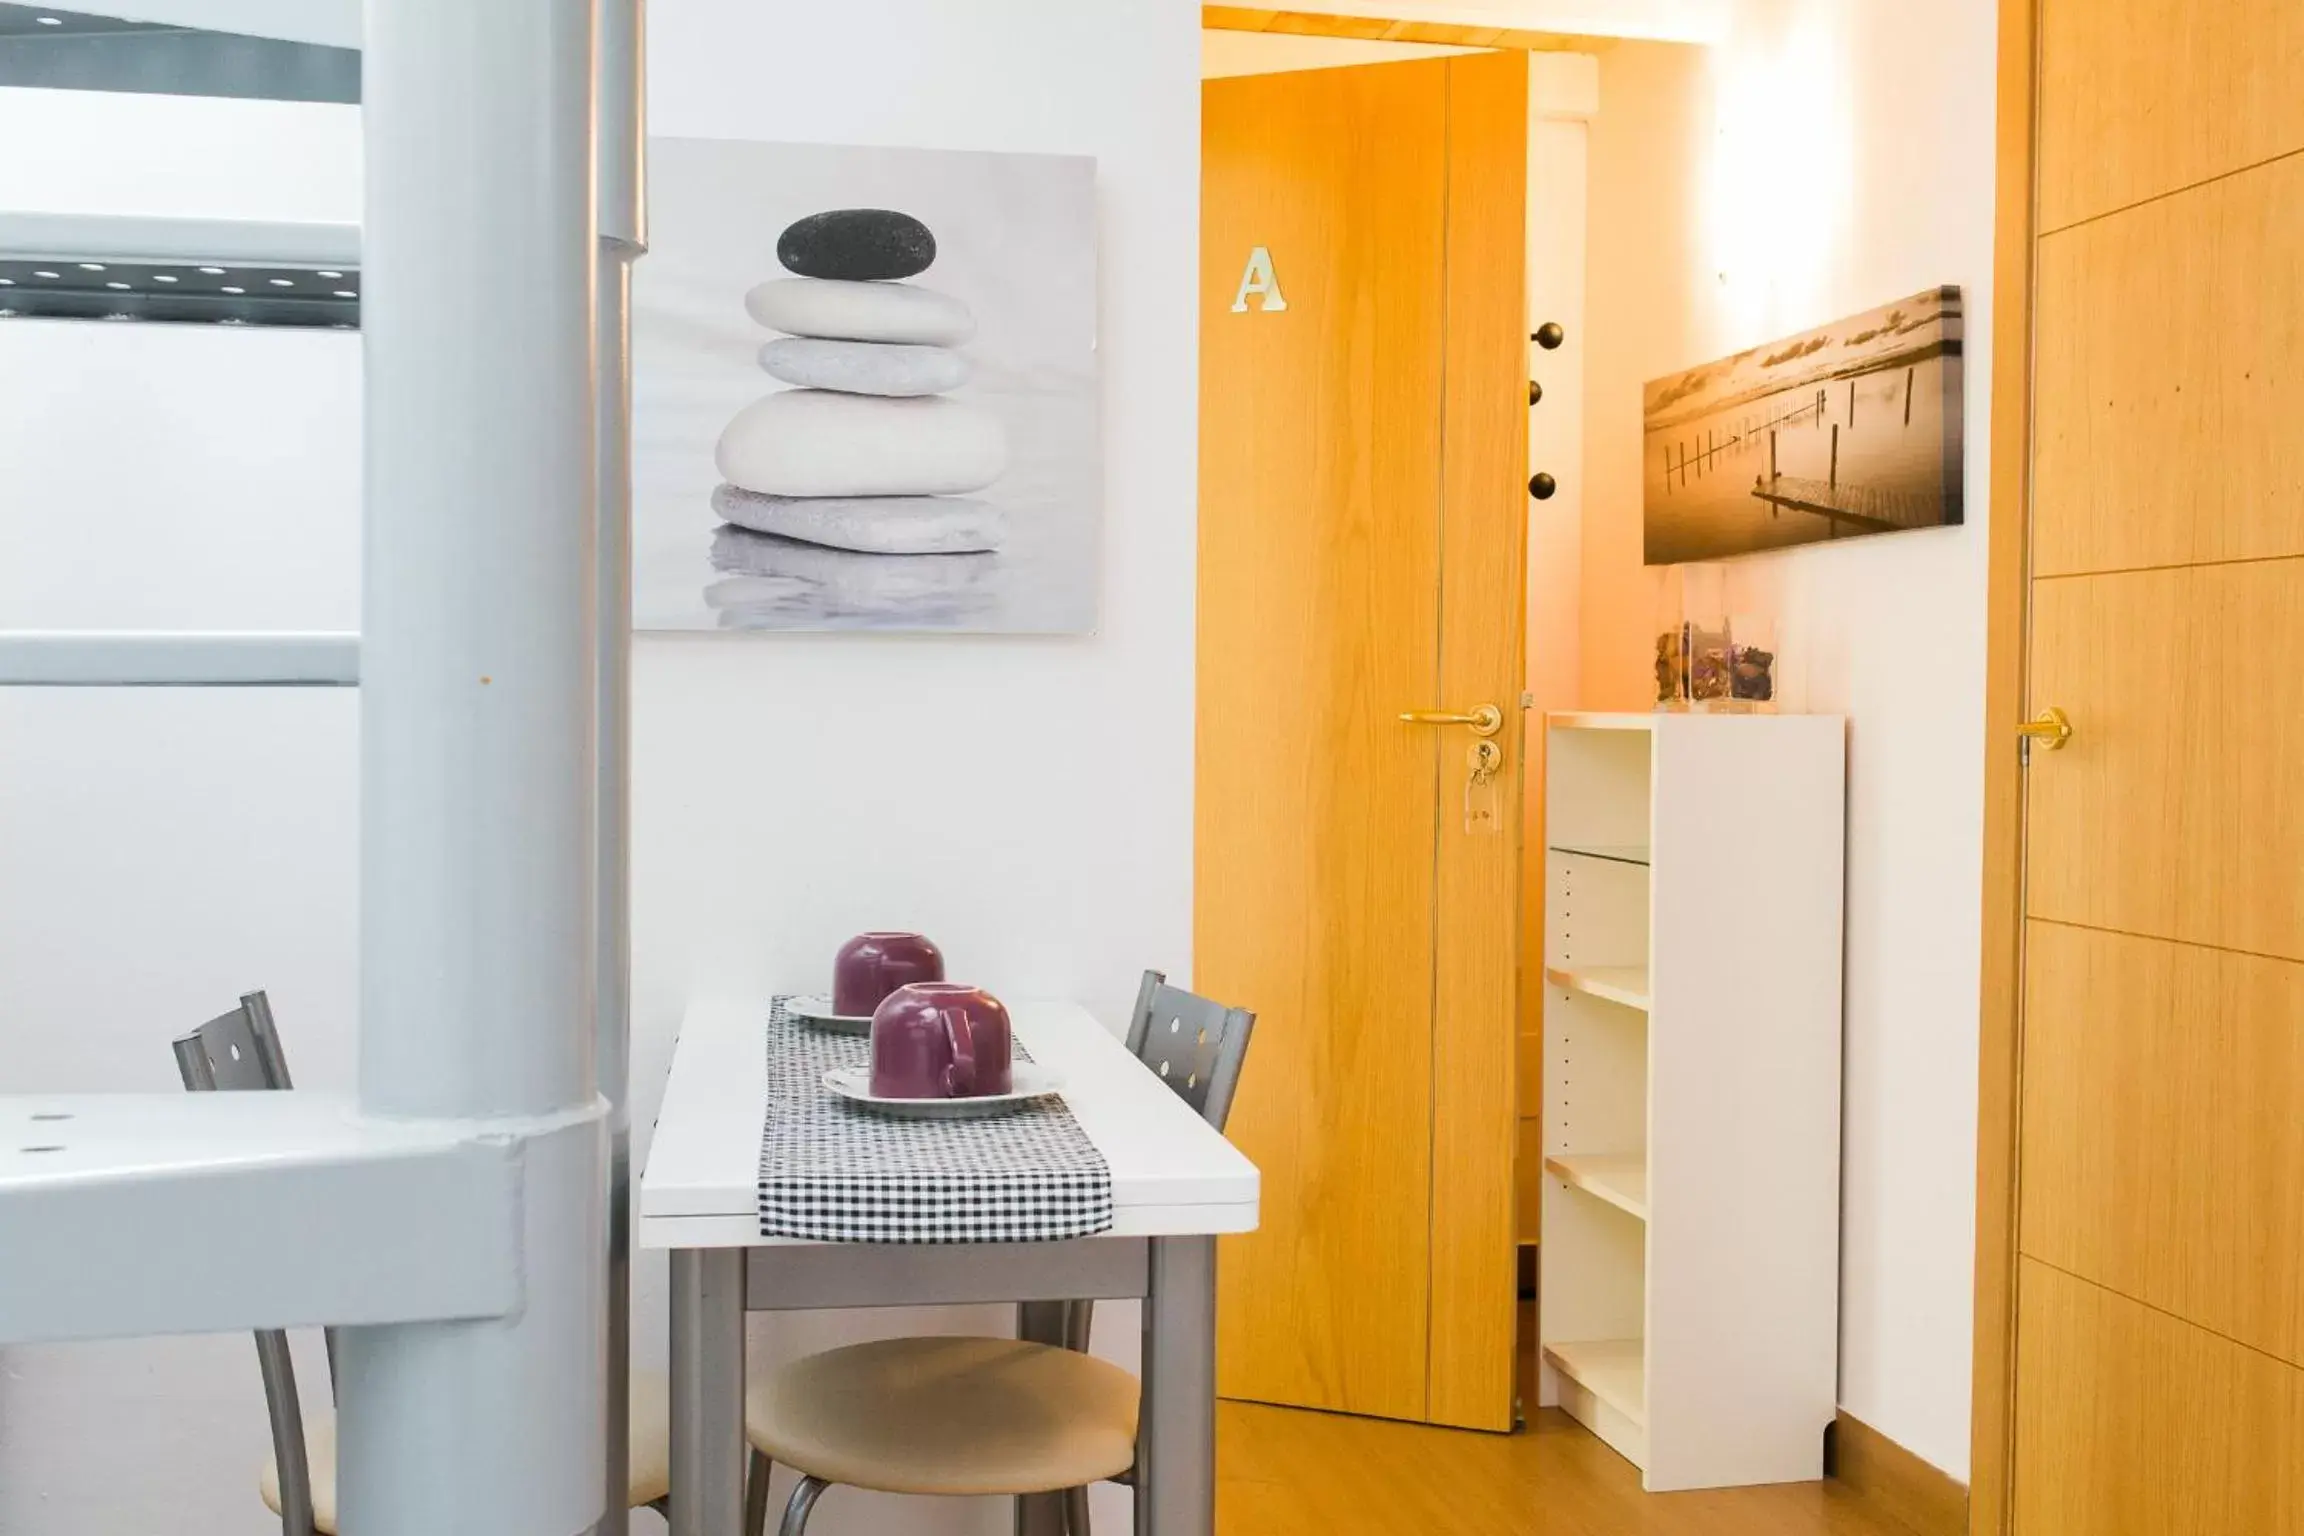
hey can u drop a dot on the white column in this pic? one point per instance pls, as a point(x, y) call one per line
point(478, 709)
point(623, 237)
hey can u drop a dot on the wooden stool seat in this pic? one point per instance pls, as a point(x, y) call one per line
point(948, 1416)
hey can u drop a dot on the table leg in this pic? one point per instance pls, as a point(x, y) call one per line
point(708, 1450)
point(1041, 1514)
point(1176, 1427)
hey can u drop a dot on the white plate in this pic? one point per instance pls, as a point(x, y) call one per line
point(1028, 1082)
point(817, 1010)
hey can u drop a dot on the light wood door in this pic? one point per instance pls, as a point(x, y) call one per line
point(1362, 473)
point(2158, 1307)
point(2137, 1423)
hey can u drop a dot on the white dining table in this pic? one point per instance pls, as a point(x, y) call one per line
point(1176, 1184)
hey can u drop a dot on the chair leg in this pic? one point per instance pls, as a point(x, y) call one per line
point(1076, 1512)
point(805, 1493)
point(756, 1477)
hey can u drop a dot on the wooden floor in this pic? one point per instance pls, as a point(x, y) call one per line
point(1285, 1472)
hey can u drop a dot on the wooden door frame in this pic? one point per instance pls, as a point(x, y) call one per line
point(1235, 18)
point(1477, 990)
point(1992, 1414)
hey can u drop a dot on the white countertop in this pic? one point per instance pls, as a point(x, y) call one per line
point(1172, 1174)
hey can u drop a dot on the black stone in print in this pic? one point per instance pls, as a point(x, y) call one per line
point(860, 244)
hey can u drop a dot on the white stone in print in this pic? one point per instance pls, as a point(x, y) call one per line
point(847, 311)
point(873, 525)
point(772, 583)
point(864, 367)
point(815, 442)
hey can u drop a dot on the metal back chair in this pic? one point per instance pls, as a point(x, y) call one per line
point(1196, 1045)
point(240, 1052)
point(234, 1051)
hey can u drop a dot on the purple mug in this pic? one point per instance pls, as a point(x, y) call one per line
point(940, 1040)
point(872, 965)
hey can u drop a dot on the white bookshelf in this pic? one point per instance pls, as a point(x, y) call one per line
point(1619, 1179)
point(1688, 1295)
point(1626, 984)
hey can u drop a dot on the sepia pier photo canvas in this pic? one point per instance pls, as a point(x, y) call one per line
point(1849, 429)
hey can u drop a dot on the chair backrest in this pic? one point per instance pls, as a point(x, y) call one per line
point(240, 1051)
point(1196, 1045)
point(234, 1051)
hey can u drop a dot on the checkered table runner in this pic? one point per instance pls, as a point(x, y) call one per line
point(834, 1171)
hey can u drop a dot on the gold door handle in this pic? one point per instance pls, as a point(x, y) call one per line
point(1484, 719)
point(2051, 728)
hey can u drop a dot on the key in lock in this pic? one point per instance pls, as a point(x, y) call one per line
point(1483, 808)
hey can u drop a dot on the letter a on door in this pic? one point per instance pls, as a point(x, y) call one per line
point(1259, 280)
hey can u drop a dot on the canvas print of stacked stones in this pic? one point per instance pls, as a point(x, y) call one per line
point(868, 452)
point(865, 391)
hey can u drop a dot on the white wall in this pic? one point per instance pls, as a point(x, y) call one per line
point(1829, 156)
point(160, 852)
point(1048, 846)
point(163, 851)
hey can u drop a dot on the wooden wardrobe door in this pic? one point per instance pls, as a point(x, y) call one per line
point(2131, 1422)
point(2159, 1351)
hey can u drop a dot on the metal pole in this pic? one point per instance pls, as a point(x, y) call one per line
point(1176, 1427)
point(623, 238)
point(708, 1449)
point(477, 741)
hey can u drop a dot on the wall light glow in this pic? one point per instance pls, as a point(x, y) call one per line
point(1779, 187)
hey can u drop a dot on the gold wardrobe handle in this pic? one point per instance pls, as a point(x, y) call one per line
point(2051, 728)
point(1484, 719)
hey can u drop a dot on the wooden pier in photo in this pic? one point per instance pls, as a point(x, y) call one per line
point(1871, 509)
